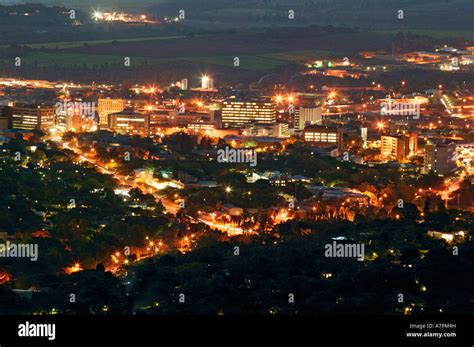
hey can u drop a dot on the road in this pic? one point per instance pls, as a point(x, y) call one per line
point(148, 188)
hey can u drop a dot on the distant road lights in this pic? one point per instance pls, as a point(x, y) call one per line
point(291, 99)
point(228, 189)
point(380, 125)
point(279, 99)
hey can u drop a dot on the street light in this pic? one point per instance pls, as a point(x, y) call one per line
point(97, 15)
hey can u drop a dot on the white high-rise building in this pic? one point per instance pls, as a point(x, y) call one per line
point(307, 116)
point(207, 82)
point(184, 84)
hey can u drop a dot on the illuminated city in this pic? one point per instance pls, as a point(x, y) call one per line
point(165, 163)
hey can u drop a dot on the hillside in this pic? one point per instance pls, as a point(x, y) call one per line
point(374, 14)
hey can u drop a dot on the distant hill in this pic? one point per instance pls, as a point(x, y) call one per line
point(374, 14)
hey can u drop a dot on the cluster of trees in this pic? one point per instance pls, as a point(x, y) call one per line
point(284, 274)
point(70, 211)
point(288, 259)
point(260, 276)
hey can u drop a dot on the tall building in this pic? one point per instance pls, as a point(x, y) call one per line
point(440, 158)
point(413, 143)
point(399, 147)
point(184, 84)
point(5, 117)
point(33, 117)
point(237, 113)
point(324, 136)
point(207, 82)
point(109, 106)
point(307, 116)
point(395, 147)
point(68, 121)
point(75, 116)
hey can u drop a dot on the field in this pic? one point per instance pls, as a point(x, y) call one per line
point(74, 44)
point(42, 59)
point(241, 45)
point(301, 56)
point(172, 55)
point(247, 62)
point(256, 52)
point(438, 34)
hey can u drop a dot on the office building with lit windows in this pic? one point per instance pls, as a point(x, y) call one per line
point(33, 117)
point(398, 147)
point(130, 123)
point(324, 136)
point(108, 106)
point(238, 113)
